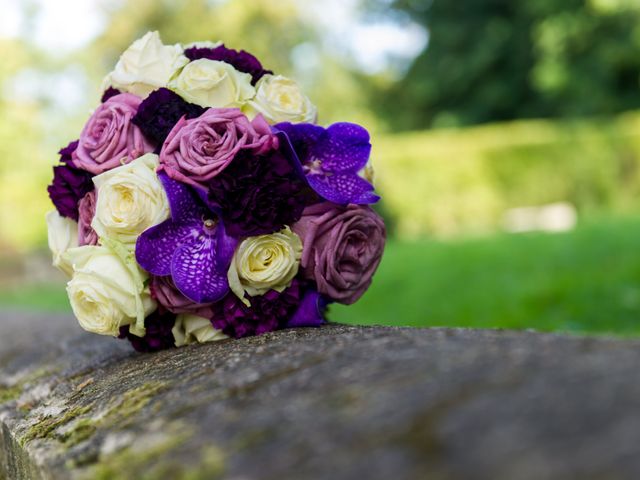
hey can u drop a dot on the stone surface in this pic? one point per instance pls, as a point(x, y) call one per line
point(337, 403)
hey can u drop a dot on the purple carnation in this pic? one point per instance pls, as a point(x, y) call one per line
point(70, 184)
point(259, 194)
point(159, 113)
point(241, 60)
point(108, 93)
point(267, 313)
point(158, 336)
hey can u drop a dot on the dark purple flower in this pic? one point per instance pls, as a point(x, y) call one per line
point(158, 334)
point(192, 246)
point(331, 159)
point(269, 312)
point(108, 93)
point(241, 60)
point(259, 194)
point(159, 113)
point(70, 184)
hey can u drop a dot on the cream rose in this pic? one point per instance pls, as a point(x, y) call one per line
point(265, 262)
point(146, 65)
point(130, 200)
point(210, 83)
point(62, 234)
point(190, 329)
point(107, 290)
point(203, 44)
point(280, 99)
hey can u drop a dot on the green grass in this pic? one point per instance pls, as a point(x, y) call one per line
point(585, 281)
point(50, 297)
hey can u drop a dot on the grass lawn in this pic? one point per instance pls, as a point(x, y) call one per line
point(587, 280)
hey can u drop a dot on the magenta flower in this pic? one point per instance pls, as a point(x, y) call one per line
point(168, 296)
point(331, 159)
point(198, 149)
point(110, 138)
point(342, 248)
point(192, 246)
point(86, 211)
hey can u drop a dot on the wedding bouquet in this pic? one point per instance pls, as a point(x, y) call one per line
point(202, 201)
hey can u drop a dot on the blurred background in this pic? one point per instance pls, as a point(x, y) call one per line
point(506, 141)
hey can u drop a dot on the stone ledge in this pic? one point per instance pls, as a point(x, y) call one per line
point(337, 403)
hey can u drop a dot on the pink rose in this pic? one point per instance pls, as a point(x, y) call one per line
point(198, 149)
point(109, 139)
point(342, 248)
point(86, 212)
point(167, 295)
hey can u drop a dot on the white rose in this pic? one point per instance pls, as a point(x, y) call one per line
point(265, 262)
point(107, 290)
point(146, 65)
point(190, 329)
point(280, 99)
point(62, 235)
point(130, 199)
point(203, 44)
point(210, 83)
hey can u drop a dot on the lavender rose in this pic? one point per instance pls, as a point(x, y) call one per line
point(164, 291)
point(342, 248)
point(197, 150)
point(110, 138)
point(86, 212)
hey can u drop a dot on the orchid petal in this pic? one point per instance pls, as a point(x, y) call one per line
point(303, 137)
point(182, 200)
point(155, 246)
point(345, 149)
point(290, 152)
point(225, 248)
point(310, 311)
point(194, 271)
point(343, 188)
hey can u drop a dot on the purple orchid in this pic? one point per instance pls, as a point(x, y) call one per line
point(331, 159)
point(310, 312)
point(192, 246)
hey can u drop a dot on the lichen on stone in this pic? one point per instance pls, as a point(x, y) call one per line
point(46, 427)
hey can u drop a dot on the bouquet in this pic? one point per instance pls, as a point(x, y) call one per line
point(202, 201)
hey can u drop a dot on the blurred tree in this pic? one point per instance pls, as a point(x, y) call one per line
point(503, 59)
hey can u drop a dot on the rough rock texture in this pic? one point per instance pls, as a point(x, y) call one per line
point(336, 403)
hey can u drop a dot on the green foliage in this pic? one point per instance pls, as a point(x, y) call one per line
point(584, 281)
point(462, 181)
point(506, 59)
